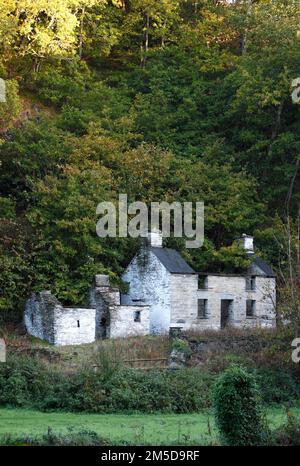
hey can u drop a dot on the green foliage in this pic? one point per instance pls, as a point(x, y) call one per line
point(237, 408)
point(11, 107)
point(181, 346)
point(25, 382)
point(278, 385)
point(22, 380)
point(289, 433)
point(169, 101)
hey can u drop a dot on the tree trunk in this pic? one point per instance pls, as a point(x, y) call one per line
point(36, 64)
point(244, 39)
point(81, 33)
point(146, 44)
point(291, 188)
point(276, 127)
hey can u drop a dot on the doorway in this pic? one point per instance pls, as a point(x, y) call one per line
point(226, 312)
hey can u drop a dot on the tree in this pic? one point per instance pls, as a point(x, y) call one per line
point(40, 29)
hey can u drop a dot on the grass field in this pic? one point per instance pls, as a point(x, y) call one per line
point(140, 429)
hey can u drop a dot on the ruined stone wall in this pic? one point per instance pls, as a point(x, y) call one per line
point(47, 319)
point(39, 315)
point(122, 322)
point(149, 284)
point(74, 326)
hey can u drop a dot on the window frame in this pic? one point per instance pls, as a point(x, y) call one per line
point(252, 307)
point(137, 316)
point(251, 283)
point(205, 308)
point(203, 278)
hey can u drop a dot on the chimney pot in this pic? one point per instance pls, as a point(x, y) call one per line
point(246, 243)
point(155, 239)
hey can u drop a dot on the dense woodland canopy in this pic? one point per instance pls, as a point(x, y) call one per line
point(175, 100)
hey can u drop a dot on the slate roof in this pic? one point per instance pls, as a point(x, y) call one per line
point(172, 260)
point(175, 263)
point(259, 262)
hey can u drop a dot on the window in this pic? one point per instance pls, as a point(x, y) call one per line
point(32, 319)
point(250, 308)
point(202, 282)
point(202, 308)
point(250, 283)
point(78, 323)
point(137, 316)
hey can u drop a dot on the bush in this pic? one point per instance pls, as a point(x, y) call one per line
point(130, 390)
point(289, 433)
point(23, 380)
point(237, 408)
point(278, 385)
point(181, 346)
point(27, 382)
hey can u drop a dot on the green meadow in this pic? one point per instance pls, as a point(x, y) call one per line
point(155, 429)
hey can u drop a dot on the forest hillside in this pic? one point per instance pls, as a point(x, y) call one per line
point(165, 100)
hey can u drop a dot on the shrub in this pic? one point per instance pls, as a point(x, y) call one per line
point(278, 385)
point(22, 381)
point(237, 407)
point(51, 438)
point(27, 382)
point(289, 433)
point(181, 346)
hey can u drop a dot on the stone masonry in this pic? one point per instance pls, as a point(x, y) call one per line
point(164, 293)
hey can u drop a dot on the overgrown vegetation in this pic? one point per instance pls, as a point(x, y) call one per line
point(238, 409)
point(171, 100)
point(26, 381)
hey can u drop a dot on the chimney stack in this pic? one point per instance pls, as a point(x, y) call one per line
point(246, 242)
point(155, 238)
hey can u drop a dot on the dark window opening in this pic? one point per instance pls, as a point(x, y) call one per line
point(227, 316)
point(250, 283)
point(250, 308)
point(137, 316)
point(32, 319)
point(202, 308)
point(202, 282)
point(78, 323)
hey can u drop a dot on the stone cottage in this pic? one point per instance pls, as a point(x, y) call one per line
point(180, 297)
point(163, 292)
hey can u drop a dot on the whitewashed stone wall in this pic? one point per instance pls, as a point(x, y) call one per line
point(47, 319)
point(149, 284)
point(74, 326)
point(102, 296)
point(119, 320)
point(122, 322)
point(184, 304)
